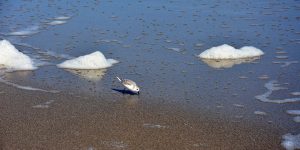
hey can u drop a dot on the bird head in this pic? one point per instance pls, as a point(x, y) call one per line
point(136, 89)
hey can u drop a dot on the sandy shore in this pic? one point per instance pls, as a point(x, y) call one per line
point(39, 120)
point(185, 102)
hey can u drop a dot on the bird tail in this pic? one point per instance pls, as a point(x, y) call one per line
point(119, 79)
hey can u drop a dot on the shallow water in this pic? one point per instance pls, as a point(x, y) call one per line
point(156, 43)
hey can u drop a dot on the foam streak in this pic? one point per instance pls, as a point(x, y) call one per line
point(273, 86)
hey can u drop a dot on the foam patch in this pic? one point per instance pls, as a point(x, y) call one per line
point(291, 142)
point(25, 32)
point(271, 87)
point(13, 59)
point(95, 60)
point(228, 52)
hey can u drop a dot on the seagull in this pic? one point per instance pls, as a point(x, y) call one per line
point(130, 85)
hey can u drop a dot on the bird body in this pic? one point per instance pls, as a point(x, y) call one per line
point(130, 85)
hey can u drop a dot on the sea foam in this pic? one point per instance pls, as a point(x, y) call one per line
point(26, 87)
point(44, 105)
point(62, 18)
point(13, 59)
point(293, 112)
point(95, 60)
point(25, 32)
point(291, 142)
point(57, 22)
point(149, 125)
point(228, 52)
point(274, 86)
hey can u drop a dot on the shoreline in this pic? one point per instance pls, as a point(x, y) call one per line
point(68, 123)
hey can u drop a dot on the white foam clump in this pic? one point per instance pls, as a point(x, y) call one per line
point(13, 59)
point(95, 60)
point(228, 52)
point(274, 86)
point(291, 142)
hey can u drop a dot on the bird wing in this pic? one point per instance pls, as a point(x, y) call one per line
point(129, 82)
point(130, 87)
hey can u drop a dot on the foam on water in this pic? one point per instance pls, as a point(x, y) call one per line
point(26, 87)
point(115, 144)
point(263, 77)
point(94, 60)
point(295, 93)
point(148, 125)
point(25, 32)
point(290, 141)
point(228, 52)
point(175, 49)
point(40, 106)
point(287, 63)
point(239, 105)
point(297, 119)
point(41, 52)
point(57, 22)
point(62, 18)
point(260, 113)
point(274, 86)
point(44, 105)
point(293, 112)
point(13, 59)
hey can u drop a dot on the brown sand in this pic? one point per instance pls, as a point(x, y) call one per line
point(119, 122)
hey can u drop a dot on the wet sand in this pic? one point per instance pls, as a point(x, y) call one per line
point(120, 122)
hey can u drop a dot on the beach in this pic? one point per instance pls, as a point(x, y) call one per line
point(59, 61)
point(120, 122)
